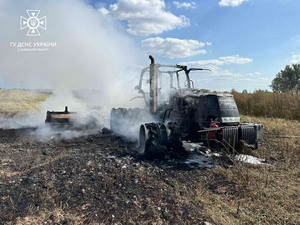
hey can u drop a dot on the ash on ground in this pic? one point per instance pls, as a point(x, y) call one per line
point(98, 178)
point(93, 179)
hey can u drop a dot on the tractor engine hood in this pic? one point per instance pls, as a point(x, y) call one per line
point(210, 107)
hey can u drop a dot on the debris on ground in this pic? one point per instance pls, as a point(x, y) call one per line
point(94, 178)
point(249, 159)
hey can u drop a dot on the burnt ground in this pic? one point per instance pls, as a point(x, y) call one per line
point(94, 179)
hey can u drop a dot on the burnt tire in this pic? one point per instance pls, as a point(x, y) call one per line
point(143, 139)
point(151, 139)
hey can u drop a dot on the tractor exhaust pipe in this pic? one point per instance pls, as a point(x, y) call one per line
point(153, 85)
point(152, 59)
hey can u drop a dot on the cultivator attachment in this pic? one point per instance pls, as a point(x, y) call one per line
point(59, 118)
point(70, 120)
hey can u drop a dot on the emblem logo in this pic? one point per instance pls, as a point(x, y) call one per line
point(33, 23)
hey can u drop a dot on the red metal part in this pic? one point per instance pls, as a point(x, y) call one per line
point(211, 134)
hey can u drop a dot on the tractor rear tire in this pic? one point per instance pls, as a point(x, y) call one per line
point(151, 141)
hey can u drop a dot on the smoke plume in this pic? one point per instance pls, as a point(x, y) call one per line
point(91, 53)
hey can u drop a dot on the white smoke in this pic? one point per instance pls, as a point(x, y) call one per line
point(91, 53)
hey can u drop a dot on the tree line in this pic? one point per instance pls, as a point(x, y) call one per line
point(287, 80)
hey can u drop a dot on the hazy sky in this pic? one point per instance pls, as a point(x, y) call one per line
point(244, 42)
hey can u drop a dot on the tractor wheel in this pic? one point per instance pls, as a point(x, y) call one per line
point(151, 139)
point(174, 142)
point(143, 139)
point(163, 134)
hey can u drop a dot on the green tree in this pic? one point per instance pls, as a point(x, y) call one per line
point(287, 79)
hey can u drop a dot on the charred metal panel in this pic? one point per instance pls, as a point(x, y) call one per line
point(62, 117)
point(259, 131)
point(251, 132)
point(248, 134)
point(211, 107)
point(231, 135)
point(228, 109)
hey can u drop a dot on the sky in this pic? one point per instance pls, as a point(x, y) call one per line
point(245, 43)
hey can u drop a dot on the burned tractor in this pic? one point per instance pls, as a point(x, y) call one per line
point(187, 114)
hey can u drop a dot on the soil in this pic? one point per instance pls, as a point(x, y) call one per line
point(94, 179)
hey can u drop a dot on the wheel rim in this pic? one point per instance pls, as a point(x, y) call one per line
point(143, 137)
point(163, 135)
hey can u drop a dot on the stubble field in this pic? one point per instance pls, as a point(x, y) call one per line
point(99, 179)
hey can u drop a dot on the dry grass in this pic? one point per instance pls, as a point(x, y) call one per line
point(20, 101)
point(265, 194)
point(260, 103)
point(55, 216)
